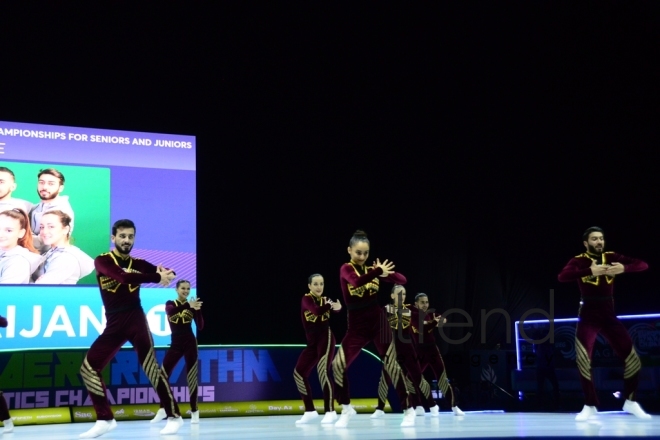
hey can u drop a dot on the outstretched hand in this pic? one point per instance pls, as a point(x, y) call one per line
point(387, 267)
point(335, 305)
point(195, 303)
point(166, 275)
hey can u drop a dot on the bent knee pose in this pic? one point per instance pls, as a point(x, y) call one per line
point(595, 271)
point(180, 314)
point(428, 354)
point(399, 318)
point(119, 277)
point(360, 284)
point(315, 315)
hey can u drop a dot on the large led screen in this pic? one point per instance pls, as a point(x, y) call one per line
point(91, 178)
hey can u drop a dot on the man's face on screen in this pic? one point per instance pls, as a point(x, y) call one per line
point(48, 187)
point(7, 185)
point(124, 240)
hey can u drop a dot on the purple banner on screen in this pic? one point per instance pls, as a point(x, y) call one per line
point(92, 146)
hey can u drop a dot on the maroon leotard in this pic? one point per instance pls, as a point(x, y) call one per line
point(428, 353)
point(315, 317)
point(596, 315)
point(119, 279)
point(184, 344)
point(359, 285)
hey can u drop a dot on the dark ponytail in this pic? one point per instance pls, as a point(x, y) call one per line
point(357, 237)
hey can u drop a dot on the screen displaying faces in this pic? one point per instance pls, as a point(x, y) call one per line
point(61, 189)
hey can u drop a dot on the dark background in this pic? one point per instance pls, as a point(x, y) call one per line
point(473, 142)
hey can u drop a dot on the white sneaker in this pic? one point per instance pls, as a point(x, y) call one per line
point(457, 411)
point(409, 417)
point(633, 408)
point(435, 411)
point(587, 412)
point(330, 417)
point(194, 417)
point(99, 428)
point(378, 414)
point(420, 411)
point(307, 417)
point(346, 414)
point(173, 425)
point(9, 426)
point(160, 415)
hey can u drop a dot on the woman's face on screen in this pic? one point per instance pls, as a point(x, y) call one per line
point(51, 230)
point(10, 232)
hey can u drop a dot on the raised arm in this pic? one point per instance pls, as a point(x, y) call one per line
point(308, 303)
point(105, 266)
point(434, 322)
point(348, 273)
point(629, 264)
point(396, 278)
point(172, 309)
point(574, 270)
point(199, 319)
point(423, 324)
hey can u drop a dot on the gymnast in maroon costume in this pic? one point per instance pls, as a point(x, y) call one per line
point(423, 326)
point(119, 277)
point(400, 326)
point(359, 285)
point(180, 314)
point(7, 422)
point(595, 271)
point(315, 317)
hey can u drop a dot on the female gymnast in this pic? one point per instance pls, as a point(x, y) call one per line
point(315, 316)
point(359, 284)
point(18, 257)
point(180, 314)
point(63, 263)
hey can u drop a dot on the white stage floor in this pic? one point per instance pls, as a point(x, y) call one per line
point(473, 425)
